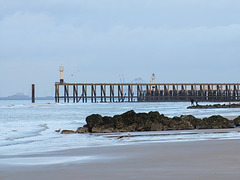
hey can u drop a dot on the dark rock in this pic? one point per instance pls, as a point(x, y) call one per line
point(214, 106)
point(96, 123)
point(58, 131)
point(193, 121)
point(231, 124)
point(93, 120)
point(85, 126)
point(156, 121)
point(152, 121)
point(126, 121)
point(68, 132)
point(215, 122)
point(107, 124)
point(82, 130)
point(237, 121)
point(180, 123)
point(141, 122)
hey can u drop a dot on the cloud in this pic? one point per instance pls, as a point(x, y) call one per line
point(102, 39)
point(37, 36)
point(131, 13)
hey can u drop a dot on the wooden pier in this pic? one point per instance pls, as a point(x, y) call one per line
point(138, 92)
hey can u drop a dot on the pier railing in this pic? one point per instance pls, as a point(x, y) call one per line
point(139, 92)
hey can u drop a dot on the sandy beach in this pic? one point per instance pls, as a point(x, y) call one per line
point(211, 159)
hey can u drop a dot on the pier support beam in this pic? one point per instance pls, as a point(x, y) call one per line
point(84, 93)
point(93, 94)
point(120, 93)
point(144, 92)
point(75, 94)
point(57, 93)
point(103, 93)
point(111, 93)
point(66, 93)
point(130, 93)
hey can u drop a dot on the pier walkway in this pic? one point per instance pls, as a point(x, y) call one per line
point(138, 92)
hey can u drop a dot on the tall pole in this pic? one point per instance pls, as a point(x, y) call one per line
point(33, 93)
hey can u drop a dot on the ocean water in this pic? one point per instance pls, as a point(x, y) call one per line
point(27, 128)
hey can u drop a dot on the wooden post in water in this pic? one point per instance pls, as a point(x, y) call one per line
point(33, 93)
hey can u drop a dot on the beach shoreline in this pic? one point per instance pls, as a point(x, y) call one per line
point(208, 159)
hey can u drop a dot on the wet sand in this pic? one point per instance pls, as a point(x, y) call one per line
point(211, 160)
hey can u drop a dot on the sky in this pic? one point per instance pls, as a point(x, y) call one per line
point(194, 41)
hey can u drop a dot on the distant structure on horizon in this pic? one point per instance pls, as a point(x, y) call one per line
point(138, 80)
point(19, 96)
point(22, 96)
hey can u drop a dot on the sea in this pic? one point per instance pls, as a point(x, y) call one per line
point(27, 128)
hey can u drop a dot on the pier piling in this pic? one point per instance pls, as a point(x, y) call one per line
point(145, 92)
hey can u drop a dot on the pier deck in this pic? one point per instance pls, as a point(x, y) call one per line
point(139, 92)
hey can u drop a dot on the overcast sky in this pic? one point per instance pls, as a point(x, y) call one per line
point(98, 40)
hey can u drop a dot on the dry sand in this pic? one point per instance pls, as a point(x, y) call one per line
point(209, 160)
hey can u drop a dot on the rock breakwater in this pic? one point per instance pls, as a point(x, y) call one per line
point(152, 121)
point(214, 106)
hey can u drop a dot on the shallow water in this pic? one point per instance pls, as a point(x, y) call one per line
point(30, 128)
